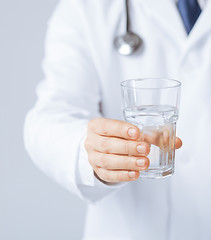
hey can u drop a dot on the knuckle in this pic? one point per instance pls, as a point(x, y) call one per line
point(100, 174)
point(121, 130)
point(93, 123)
point(104, 144)
point(99, 122)
point(128, 163)
point(106, 176)
point(104, 125)
point(131, 163)
point(127, 147)
point(131, 147)
point(120, 176)
point(103, 162)
point(87, 144)
point(93, 156)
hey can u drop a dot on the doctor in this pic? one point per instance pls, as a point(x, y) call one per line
point(83, 72)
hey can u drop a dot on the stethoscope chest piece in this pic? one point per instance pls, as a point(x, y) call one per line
point(127, 44)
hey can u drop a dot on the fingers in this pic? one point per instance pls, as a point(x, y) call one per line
point(163, 137)
point(116, 176)
point(178, 143)
point(111, 145)
point(160, 137)
point(117, 150)
point(118, 162)
point(125, 130)
point(114, 128)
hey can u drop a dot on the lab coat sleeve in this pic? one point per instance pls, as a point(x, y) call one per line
point(55, 129)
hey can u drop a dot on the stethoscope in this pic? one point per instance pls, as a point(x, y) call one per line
point(130, 42)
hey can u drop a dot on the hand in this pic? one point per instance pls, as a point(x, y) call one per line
point(114, 150)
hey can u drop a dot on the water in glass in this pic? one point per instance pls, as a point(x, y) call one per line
point(157, 125)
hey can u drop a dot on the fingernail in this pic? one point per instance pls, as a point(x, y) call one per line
point(132, 132)
point(141, 149)
point(132, 174)
point(140, 162)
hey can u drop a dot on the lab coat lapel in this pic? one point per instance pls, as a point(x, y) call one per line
point(201, 28)
point(166, 12)
point(203, 24)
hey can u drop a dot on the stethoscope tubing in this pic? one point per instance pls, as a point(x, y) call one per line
point(129, 42)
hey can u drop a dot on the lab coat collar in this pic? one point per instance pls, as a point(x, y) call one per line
point(168, 17)
point(171, 20)
point(201, 27)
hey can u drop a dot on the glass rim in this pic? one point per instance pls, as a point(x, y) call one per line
point(177, 83)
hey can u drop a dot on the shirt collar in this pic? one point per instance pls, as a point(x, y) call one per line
point(201, 3)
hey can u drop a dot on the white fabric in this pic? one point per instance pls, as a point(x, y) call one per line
point(202, 3)
point(82, 69)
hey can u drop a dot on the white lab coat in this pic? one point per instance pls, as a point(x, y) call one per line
point(82, 70)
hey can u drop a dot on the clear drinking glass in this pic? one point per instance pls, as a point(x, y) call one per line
point(153, 106)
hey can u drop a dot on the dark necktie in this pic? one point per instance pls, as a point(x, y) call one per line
point(189, 11)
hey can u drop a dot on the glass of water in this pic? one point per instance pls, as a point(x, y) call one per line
point(153, 105)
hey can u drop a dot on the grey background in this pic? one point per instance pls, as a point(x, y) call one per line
point(32, 207)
